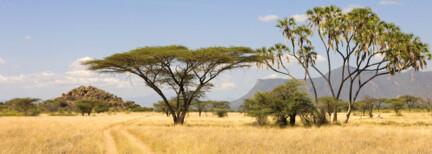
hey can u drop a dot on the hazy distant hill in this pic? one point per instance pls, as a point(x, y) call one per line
point(93, 93)
point(410, 82)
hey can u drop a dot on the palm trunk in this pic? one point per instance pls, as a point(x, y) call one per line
point(334, 118)
point(348, 113)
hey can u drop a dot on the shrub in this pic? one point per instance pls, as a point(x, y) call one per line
point(221, 112)
point(142, 109)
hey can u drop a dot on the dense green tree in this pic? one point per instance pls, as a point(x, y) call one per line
point(396, 104)
point(101, 107)
point(257, 107)
point(186, 72)
point(283, 102)
point(86, 106)
point(49, 105)
point(24, 105)
point(354, 39)
point(410, 101)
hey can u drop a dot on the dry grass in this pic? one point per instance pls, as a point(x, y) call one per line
point(410, 133)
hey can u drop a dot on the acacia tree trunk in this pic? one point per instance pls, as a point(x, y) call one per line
point(199, 112)
point(282, 121)
point(292, 119)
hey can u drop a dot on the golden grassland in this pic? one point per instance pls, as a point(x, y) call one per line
point(411, 133)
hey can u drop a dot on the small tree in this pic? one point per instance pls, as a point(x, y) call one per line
point(160, 106)
point(362, 106)
point(428, 104)
point(396, 104)
point(50, 105)
point(24, 105)
point(371, 102)
point(410, 101)
point(200, 106)
point(283, 102)
point(257, 107)
point(220, 108)
point(378, 104)
point(331, 106)
point(85, 106)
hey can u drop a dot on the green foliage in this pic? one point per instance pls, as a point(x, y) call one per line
point(410, 100)
point(352, 39)
point(86, 106)
point(329, 104)
point(142, 109)
point(101, 107)
point(26, 105)
point(257, 107)
point(187, 72)
point(49, 105)
point(221, 112)
point(396, 104)
point(285, 101)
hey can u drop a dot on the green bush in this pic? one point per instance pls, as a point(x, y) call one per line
point(142, 109)
point(221, 112)
point(10, 113)
point(34, 112)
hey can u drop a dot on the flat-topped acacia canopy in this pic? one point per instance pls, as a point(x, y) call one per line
point(187, 72)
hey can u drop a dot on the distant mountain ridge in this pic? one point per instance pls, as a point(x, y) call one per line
point(387, 86)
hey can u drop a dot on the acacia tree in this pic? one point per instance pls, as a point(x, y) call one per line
point(354, 39)
point(23, 104)
point(428, 104)
point(378, 104)
point(410, 101)
point(185, 72)
point(397, 104)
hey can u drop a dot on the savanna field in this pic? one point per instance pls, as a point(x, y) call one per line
point(154, 133)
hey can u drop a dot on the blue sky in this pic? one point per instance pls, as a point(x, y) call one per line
point(42, 41)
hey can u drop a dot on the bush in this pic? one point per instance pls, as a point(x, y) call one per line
point(6, 113)
point(221, 112)
point(142, 109)
point(34, 112)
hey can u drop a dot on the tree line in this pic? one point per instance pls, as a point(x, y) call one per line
point(34, 106)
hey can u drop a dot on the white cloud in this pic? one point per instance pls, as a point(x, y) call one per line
point(2, 61)
point(76, 75)
point(351, 7)
point(299, 17)
point(227, 85)
point(320, 59)
point(272, 76)
point(27, 37)
point(379, 56)
point(390, 3)
point(268, 18)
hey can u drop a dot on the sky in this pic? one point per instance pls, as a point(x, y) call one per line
point(43, 42)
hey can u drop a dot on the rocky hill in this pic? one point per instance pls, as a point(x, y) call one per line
point(93, 93)
point(387, 86)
